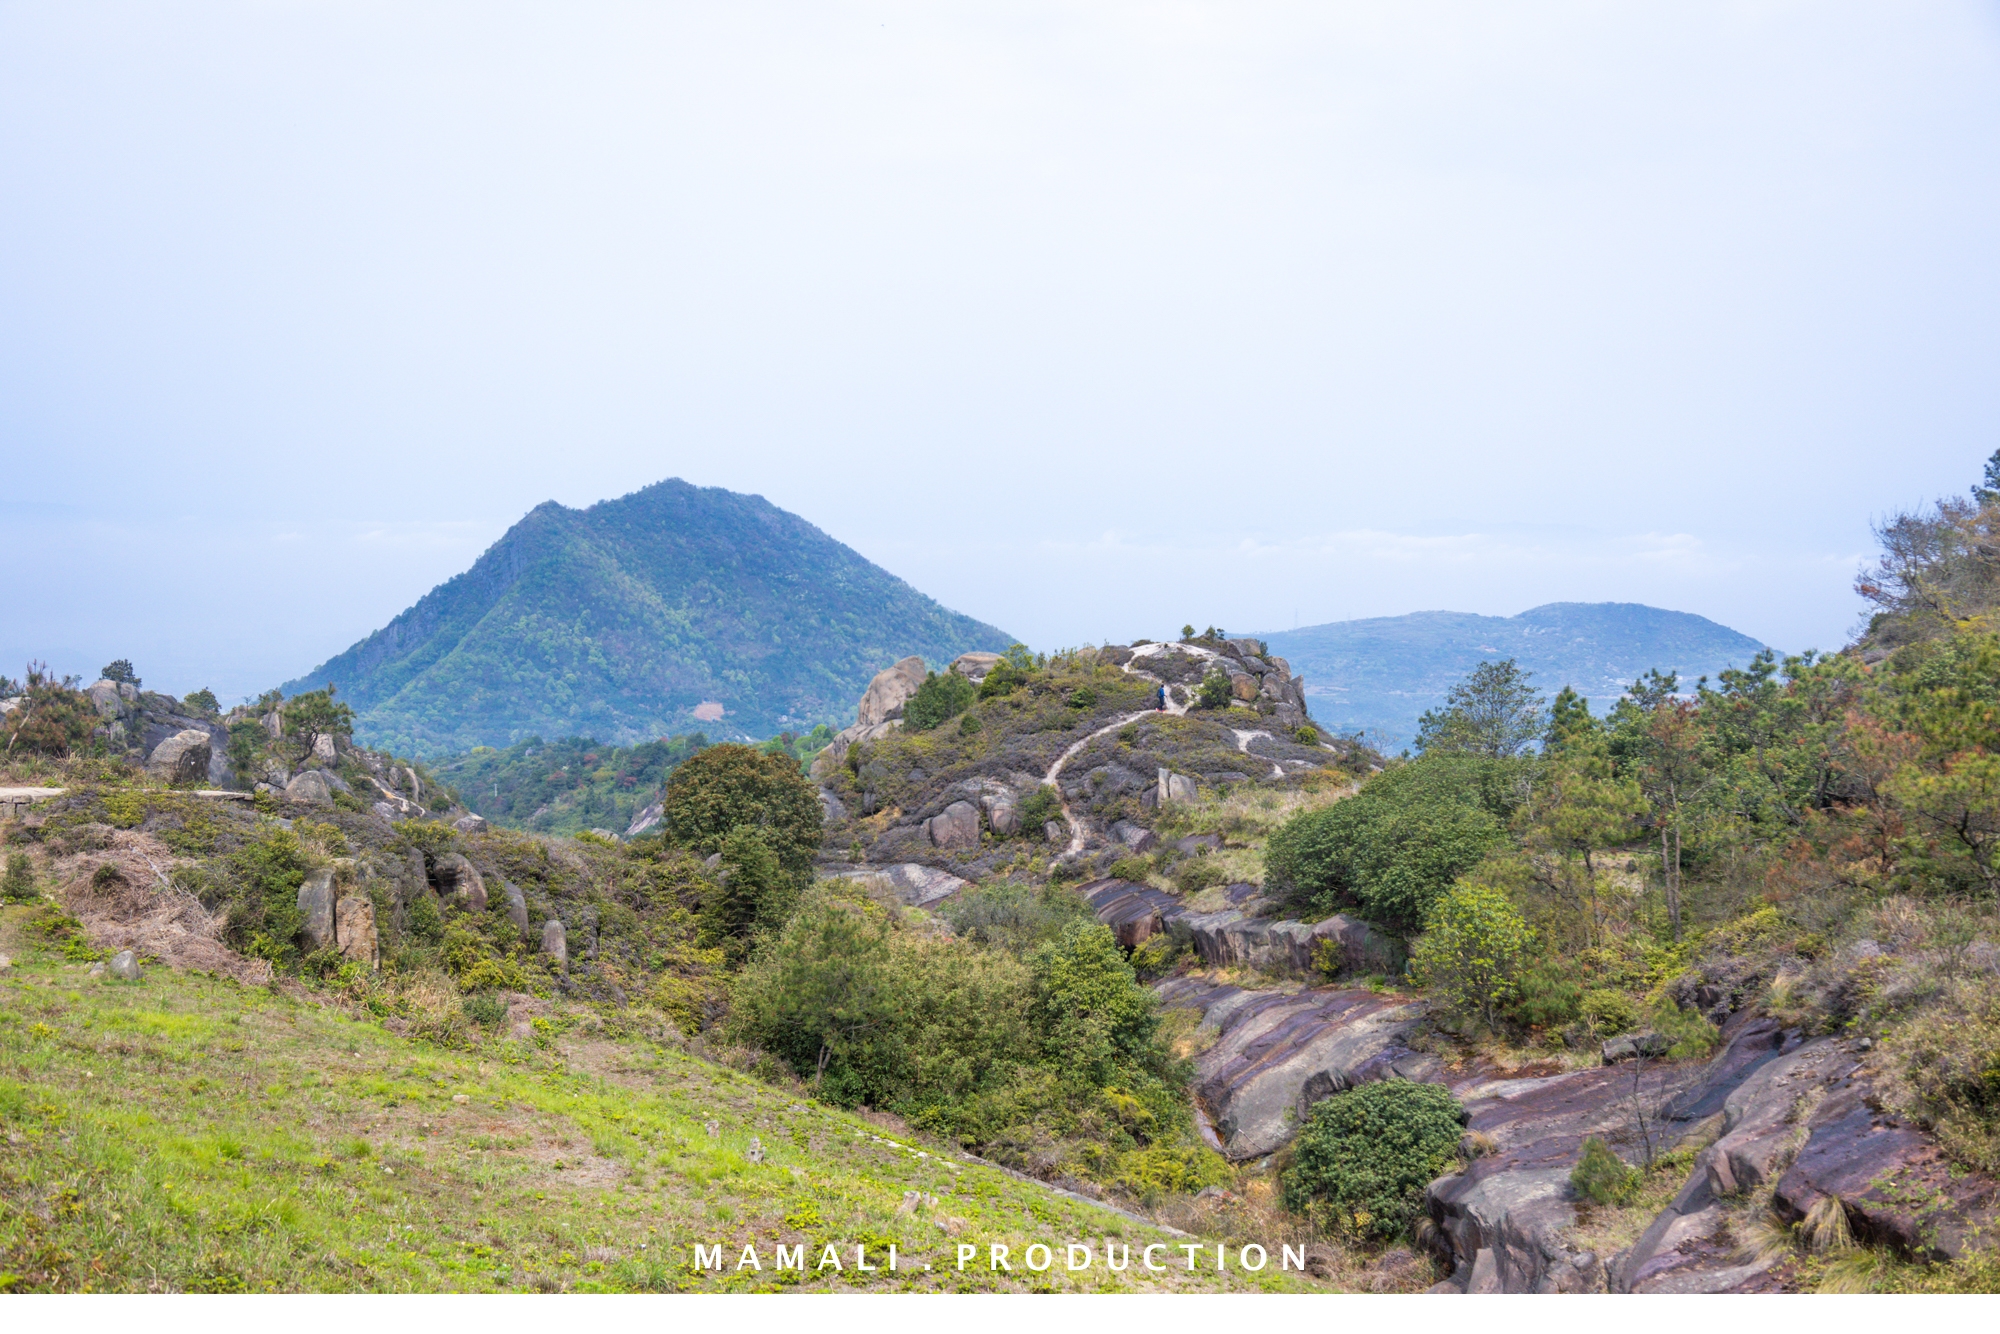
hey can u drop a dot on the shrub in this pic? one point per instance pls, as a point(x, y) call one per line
point(1948, 1065)
point(1004, 678)
point(19, 884)
point(1365, 1156)
point(1131, 868)
point(726, 787)
point(485, 1008)
point(1306, 736)
point(1198, 873)
point(968, 725)
point(1601, 1176)
point(54, 719)
point(1214, 692)
point(120, 671)
point(940, 697)
point(203, 701)
point(1156, 956)
point(1395, 846)
point(1547, 996)
point(1013, 917)
point(1040, 806)
point(1608, 1011)
point(1089, 1008)
point(264, 878)
point(1473, 949)
point(1083, 697)
point(755, 893)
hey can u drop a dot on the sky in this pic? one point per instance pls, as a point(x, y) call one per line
point(1088, 320)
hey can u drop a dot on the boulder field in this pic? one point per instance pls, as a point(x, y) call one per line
point(1781, 1121)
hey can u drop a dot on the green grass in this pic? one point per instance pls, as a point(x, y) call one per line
point(184, 1133)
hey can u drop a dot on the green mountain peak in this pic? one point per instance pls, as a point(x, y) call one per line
point(673, 609)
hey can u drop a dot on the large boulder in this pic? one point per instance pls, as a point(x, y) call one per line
point(310, 786)
point(1135, 837)
point(469, 823)
point(957, 826)
point(1175, 787)
point(517, 905)
point(316, 906)
point(1003, 813)
point(555, 943)
point(889, 692)
point(460, 880)
point(181, 758)
point(975, 665)
point(354, 929)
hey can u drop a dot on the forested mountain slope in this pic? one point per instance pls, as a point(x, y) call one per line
point(623, 620)
point(1380, 674)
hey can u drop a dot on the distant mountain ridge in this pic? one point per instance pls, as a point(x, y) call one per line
point(638, 618)
point(1379, 675)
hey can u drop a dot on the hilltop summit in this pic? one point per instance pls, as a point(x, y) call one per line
point(671, 609)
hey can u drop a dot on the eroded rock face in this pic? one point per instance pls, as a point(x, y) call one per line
point(316, 905)
point(1278, 1053)
point(891, 689)
point(460, 880)
point(354, 926)
point(181, 758)
point(915, 884)
point(310, 786)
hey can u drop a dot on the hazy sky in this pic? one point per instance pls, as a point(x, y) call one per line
point(1086, 319)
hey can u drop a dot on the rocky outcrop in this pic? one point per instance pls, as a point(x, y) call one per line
point(316, 907)
point(880, 711)
point(974, 666)
point(912, 883)
point(181, 758)
point(354, 930)
point(555, 943)
point(460, 881)
point(310, 787)
point(1276, 1054)
point(470, 823)
point(1231, 937)
point(957, 826)
point(646, 819)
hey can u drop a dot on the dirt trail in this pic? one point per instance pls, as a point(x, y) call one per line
point(1076, 830)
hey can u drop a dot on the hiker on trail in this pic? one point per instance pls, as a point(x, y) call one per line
point(1162, 692)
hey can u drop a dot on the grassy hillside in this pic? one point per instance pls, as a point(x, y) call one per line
point(621, 620)
point(1380, 674)
point(186, 1133)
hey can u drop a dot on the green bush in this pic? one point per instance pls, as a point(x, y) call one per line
point(1473, 950)
point(1040, 806)
point(1083, 697)
point(1608, 1011)
point(202, 701)
point(53, 720)
point(263, 879)
point(1601, 1176)
point(755, 894)
point(940, 697)
point(1395, 846)
point(1004, 678)
point(485, 1008)
point(1306, 736)
point(1547, 996)
point(1089, 1009)
point(724, 788)
point(1214, 692)
point(1365, 1156)
point(19, 884)
point(968, 725)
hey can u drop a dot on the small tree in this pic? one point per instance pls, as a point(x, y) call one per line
point(1493, 712)
point(203, 701)
point(942, 696)
point(121, 672)
point(1473, 950)
point(310, 716)
point(19, 884)
point(1214, 693)
point(726, 787)
point(755, 893)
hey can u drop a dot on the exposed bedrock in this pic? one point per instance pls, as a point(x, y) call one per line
point(1276, 1054)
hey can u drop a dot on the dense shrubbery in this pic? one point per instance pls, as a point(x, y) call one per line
point(725, 788)
point(1394, 847)
point(1365, 1155)
point(1473, 950)
point(567, 786)
point(53, 718)
point(941, 696)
